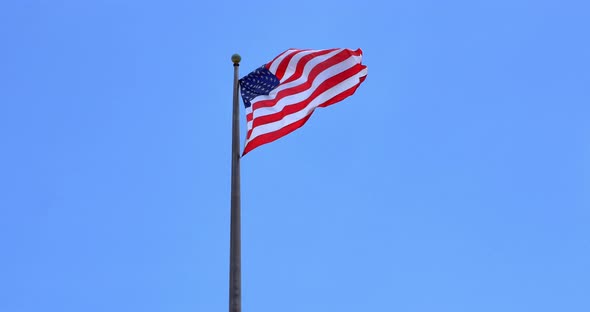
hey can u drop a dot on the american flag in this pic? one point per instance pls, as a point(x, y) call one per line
point(281, 95)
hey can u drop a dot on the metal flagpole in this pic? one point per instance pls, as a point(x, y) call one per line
point(235, 251)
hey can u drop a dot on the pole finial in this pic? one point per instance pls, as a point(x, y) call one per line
point(236, 58)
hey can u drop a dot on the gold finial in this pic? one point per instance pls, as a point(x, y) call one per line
point(236, 58)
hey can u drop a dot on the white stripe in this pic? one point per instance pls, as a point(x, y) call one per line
point(363, 72)
point(319, 79)
point(289, 119)
point(293, 64)
point(273, 66)
point(248, 123)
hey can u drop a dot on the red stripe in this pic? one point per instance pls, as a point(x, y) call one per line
point(363, 77)
point(282, 67)
point(274, 59)
point(318, 69)
point(295, 107)
point(340, 96)
point(273, 136)
point(346, 93)
point(301, 64)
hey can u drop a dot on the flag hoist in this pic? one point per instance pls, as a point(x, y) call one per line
point(235, 251)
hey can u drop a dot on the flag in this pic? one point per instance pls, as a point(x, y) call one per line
point(281, 95)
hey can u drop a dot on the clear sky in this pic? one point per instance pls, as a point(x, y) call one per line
point(456, 178)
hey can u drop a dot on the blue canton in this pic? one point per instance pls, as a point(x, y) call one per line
point(259, 82)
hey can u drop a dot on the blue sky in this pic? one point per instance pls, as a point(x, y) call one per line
point(457, 178)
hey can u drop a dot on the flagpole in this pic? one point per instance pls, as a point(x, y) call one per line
point(235, 251)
